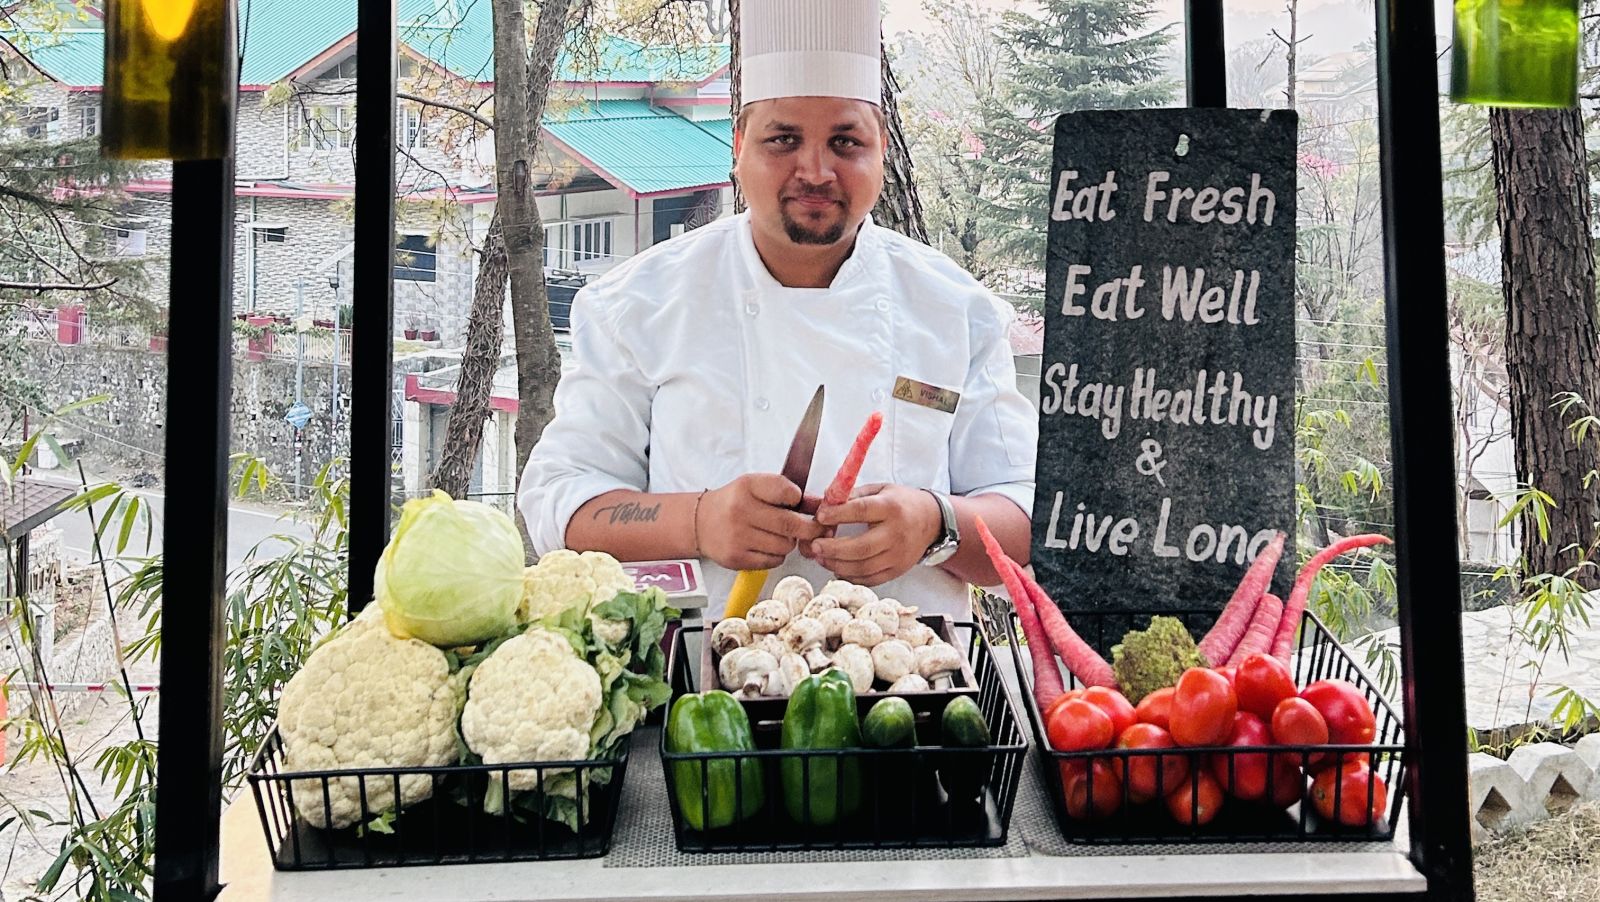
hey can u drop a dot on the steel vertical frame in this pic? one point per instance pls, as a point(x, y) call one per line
point(1432, 675)
point(1205, 54)
point(195, 530)
point(372, 295)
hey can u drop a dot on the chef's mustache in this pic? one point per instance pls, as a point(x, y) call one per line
point(805, 193)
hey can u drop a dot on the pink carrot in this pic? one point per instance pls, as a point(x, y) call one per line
point(1263, 628)
point(1219, 643)
point(844, 482)
point(1084, 662)
point(1283, 641)
point(1047, 684)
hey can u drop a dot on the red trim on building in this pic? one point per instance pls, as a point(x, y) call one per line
point(444, 397)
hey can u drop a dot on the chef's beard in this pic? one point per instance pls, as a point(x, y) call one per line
point(800, 234)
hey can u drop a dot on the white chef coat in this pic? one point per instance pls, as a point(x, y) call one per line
point(694, 367)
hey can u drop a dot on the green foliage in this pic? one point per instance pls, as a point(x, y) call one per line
point(1071, 55)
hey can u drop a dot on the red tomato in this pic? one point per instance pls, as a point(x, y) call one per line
point(1150, 776)
point(1244, 776)
point(1083, 801)
point(1297, 722)
point(1349, 717)
point(1061, 699)
point(1232, 673)
point(1287, 783)
point(1263, 681)
point(1115, 705)
point(1078, 726)
point(1156, 708)
point(1202, 708)
point(1197, 801)
point(1347, 787)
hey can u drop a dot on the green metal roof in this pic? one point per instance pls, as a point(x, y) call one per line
point(646, 150)
point(280, 36)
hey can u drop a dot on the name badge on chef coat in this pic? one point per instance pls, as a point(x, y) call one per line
point(925, 395)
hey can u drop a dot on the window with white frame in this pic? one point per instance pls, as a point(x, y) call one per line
point(326, 127)
point(89, 121)
point(567, 244)
point(123, 241)
point(411, 125)
point(270, 234)
point(41, 123)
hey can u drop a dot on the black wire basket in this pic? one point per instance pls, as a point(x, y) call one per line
point(447, 824)
point(1109, 815)
point(925, 796)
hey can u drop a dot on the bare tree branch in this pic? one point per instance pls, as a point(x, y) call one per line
point(57, 286)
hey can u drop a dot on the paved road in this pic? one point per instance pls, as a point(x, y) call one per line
point(249, 524)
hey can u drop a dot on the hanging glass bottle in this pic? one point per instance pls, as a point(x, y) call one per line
point(1515, 53)
point(170, 79)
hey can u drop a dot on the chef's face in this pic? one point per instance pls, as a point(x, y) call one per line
point(810, 167)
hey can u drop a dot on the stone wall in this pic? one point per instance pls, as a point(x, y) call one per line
point(131, 427)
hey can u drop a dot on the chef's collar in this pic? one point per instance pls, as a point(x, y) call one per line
point(853, 267)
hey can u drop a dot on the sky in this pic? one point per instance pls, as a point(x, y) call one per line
point(1333, 26)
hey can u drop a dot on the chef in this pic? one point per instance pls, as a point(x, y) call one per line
point(695, 361)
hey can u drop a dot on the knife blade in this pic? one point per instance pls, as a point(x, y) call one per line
point(748, 584)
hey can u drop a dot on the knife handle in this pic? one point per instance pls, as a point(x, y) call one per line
point(746, 591)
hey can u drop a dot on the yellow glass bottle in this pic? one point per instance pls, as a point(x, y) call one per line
point(171, 79)
point(1515, 53)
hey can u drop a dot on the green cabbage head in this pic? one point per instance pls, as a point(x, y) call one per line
point(452, 573)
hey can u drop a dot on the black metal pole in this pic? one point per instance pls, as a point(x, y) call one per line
point(1424, 458)
point(1205, 54)
point(372, 295)
point(199, 378)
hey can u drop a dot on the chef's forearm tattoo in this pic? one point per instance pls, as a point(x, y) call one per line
point(629, 512)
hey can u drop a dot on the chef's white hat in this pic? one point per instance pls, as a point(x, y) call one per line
point(810, 48)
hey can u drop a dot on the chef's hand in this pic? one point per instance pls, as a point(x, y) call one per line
point(901, 523)
point(751, 524)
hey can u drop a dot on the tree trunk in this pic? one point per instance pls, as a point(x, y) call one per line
point(1548, 278)
point(898, 207)
point(522, 87)
point(480, 359)
point(733, 90)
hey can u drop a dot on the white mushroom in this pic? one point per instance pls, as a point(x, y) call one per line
point(937, 664)
point(804, 636)
point(833, 621)
point(917, 635)
point(893, 659)
point(745, 670)
point(817, 605)
point(886, 614)
point(908, 617)
point(857, 662)
point(793, 591)
point(911, 682)
point(768, 617)
point(730, 634)
point(791, 670)
point(851, 596)
point(771, 644)
point(861, 632)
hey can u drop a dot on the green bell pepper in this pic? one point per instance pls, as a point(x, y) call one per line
point(822, 790)
point(714, 793)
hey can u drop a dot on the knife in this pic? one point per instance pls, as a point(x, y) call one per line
point(748, 584)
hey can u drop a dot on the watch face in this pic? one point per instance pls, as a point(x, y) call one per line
point(940, 554)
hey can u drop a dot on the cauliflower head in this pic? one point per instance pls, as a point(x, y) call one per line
point(533, 699)
point(566, 581)
point(368, 699)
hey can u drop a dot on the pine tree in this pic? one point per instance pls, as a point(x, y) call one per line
point(1072, 55)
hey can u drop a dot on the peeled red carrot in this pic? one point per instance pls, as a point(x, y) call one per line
point(844, 482)
point(1294, 608)
point(1263, 629)
point(1219, 643)
point(1080, 657)
point(1047, 683)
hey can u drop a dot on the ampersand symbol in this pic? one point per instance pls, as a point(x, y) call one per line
point(1150, 462)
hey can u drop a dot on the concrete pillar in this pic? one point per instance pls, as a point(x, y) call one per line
point(415, 438)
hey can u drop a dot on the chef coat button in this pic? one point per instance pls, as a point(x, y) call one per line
point(883, 305)
point(762, 404)
point(878, 394)
point(752, 309)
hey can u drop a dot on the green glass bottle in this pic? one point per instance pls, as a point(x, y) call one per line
point(1515, 53)
point(171, 79)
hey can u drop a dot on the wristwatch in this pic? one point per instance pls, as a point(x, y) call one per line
point(949, 537)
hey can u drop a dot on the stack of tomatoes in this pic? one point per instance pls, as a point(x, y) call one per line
point(1252, 704)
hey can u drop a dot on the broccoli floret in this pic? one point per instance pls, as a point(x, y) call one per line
point(1154, 658)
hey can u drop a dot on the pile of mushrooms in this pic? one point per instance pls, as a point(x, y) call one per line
point(798, 632)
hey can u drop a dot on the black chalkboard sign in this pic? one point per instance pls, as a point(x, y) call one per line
point(1166, 415)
